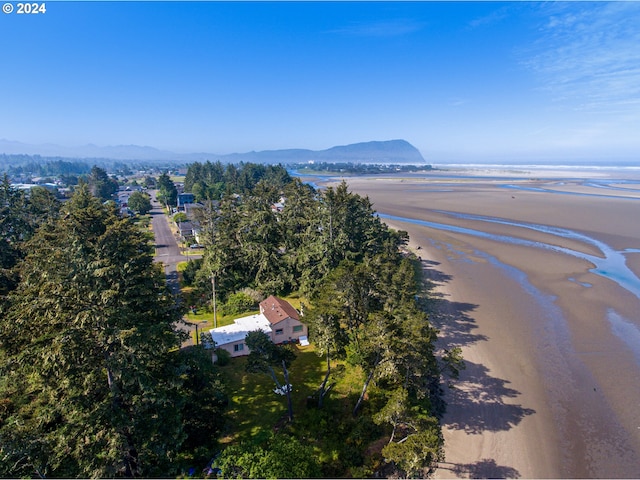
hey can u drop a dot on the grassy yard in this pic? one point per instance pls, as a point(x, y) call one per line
point(254, 407)
point(255, 411)
point(343, 445)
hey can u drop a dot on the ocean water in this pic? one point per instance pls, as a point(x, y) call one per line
point(611, 264)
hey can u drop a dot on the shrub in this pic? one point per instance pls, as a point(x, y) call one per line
point(224, 357)
point(180, 217)
point(238, 302)
point(190, 271)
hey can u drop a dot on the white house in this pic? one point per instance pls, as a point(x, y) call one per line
point(277, 318)
point(231, 337)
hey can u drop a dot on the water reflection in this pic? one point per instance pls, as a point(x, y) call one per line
point(611, 264)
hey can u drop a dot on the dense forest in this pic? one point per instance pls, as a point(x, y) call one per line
point(92, 382)
point(21, 165)
point(38, 166)
point(361, 285)
point(92, 377)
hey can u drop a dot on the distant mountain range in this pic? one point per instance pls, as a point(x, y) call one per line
point(390, 151)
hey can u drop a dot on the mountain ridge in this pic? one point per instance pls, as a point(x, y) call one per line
point(387, 151)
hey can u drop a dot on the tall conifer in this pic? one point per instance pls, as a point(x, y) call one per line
point(89, 381)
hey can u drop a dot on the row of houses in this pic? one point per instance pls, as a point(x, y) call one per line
point(277, 318)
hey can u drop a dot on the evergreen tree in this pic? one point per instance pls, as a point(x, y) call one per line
point(259, 237)
point(88, 376)
point(20, 216)
point(13, 230)
point(100, 184)
point(140, 203)
point(167, 191)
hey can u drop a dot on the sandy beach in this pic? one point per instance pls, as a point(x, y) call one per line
point(530, 282)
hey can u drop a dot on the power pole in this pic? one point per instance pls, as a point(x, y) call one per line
point(213, 301)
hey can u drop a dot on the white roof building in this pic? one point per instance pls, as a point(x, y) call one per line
point(230, 337)
point(277, 318)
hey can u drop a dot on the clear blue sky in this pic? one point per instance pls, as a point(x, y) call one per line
point(462, 81)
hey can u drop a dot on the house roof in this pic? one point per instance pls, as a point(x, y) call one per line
point(276, 310)
point(185, 226)
point(238, 330)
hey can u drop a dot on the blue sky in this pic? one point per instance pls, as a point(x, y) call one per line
point(462, 81)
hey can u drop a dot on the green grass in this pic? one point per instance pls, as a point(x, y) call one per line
point(181, 266)
point(342, 444)
point(254, 407)
point(255, 411)
point(192, 252)
point(206, 318)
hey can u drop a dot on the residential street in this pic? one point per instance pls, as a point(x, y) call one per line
point(167, 249)
point(168, 253)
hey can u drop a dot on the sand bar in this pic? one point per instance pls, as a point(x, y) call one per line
point(552, 388)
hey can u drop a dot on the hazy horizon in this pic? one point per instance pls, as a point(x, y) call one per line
point(464, 82)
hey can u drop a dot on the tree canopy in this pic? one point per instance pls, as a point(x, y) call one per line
point(140, 203)
point(91, 380)
point(167, 191)
point(100, 184)
point(20, 216)
point(331, 247)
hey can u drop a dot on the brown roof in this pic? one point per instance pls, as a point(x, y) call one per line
point(276, 310)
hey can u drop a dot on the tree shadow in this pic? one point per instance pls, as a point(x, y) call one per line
point(485, 468)
point(456, 327)
point(434, 276)
point(451, 318)
point(478, 402)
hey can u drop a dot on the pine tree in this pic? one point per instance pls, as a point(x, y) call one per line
point(100, 184)
point(89, 379)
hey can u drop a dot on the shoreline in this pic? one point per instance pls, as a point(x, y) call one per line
point(489, 421)
point(551, 387)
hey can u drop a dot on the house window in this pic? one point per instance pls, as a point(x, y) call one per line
point(279, 331)
point(297, 328)
point(238, 347)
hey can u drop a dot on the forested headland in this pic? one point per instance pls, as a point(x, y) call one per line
point(94, 382)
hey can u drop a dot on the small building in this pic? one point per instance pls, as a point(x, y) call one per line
point(185, 229)
point(231, 337)
point(191, 209)
point(284, 319)
point(184, 198)
point(277, 318)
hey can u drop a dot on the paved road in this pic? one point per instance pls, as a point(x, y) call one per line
point(167, 249)
point(168, 253)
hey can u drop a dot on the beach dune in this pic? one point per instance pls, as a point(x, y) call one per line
point(528, 280)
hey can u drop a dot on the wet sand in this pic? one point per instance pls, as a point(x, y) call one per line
point(552, 384)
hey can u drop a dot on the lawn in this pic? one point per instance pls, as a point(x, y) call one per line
point(344, 445)
point(254, 407)
point(255, 411)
